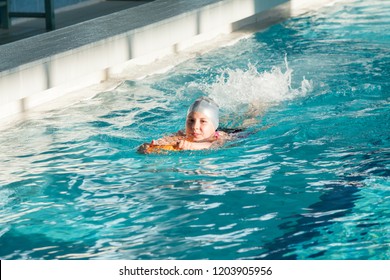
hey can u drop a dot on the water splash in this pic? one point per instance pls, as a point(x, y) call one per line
point(237, 88)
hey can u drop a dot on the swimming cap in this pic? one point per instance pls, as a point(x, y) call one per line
point(207, 106)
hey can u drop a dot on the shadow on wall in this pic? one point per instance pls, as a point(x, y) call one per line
point(266, 13)
point(200, 22)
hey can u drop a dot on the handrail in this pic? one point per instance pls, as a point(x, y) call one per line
point(48, 14)
point(4, 19)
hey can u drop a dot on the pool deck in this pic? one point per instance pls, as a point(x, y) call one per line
point(46, 66)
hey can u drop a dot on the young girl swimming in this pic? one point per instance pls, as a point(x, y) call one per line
point(200, 133)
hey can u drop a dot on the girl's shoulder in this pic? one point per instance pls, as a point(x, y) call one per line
point(219, 134)
point(227, 134)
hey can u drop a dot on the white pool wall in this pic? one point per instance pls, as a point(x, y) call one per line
point(42, 68)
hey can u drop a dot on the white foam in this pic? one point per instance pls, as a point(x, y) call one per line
point(235, 88)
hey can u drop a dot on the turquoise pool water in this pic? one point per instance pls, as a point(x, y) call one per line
point(310, 180)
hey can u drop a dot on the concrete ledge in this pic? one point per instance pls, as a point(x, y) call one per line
point(41, 68)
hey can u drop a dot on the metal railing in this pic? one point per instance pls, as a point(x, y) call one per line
point(48, 14)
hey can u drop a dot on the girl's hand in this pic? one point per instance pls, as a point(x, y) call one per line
point(185, 145)
point(143, 149)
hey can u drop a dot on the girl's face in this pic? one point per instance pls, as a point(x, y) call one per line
point(199, 127)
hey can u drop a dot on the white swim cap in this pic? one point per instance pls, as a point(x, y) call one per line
point(207, 106)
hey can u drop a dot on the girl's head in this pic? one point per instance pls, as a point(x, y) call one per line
point(202, 119)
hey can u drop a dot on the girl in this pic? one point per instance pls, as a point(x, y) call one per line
point(200, 132)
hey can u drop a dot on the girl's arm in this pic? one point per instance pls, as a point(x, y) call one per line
point(187, 145)
point(214, 142)
point(179, 140)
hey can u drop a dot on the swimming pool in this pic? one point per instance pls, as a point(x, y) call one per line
point(310, 180)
